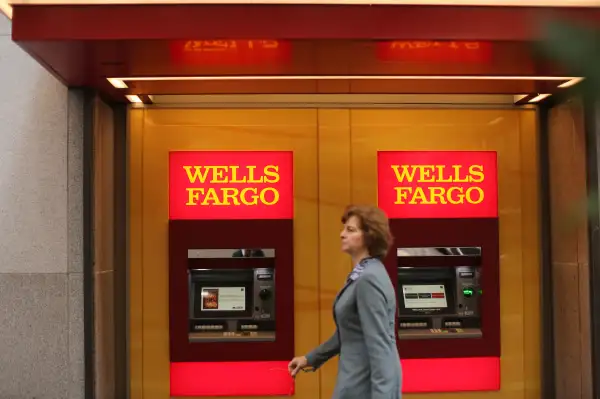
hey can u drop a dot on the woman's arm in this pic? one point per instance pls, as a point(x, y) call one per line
point(375, 323)
point(330, 348)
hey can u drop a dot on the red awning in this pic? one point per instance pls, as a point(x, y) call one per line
point(83, 45)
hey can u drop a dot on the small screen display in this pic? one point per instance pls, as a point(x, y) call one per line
point(424, 296)
point(223, 299)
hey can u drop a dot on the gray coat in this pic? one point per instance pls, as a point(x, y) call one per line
point(364, 313)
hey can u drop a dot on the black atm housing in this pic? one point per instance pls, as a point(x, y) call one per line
point(441, 300)
point(231, 295)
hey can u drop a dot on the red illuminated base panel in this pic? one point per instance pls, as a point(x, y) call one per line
point(451, 374)
point(231, 379)
point(272, 378)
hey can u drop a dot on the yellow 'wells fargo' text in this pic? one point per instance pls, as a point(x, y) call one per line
point(431, 194)
point(225, 175)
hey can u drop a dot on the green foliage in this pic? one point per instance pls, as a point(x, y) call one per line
point(577, 48)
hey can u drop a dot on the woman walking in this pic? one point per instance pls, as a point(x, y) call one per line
point(364, 314)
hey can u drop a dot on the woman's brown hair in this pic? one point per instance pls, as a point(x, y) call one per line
point(375, 226)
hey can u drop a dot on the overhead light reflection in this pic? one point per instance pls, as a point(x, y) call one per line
point(539, 98)
point(134, 98)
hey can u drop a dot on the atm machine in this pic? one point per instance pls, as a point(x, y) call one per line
point(443, 214)
point(448, 297)
point(231, 273)
point(230, 291)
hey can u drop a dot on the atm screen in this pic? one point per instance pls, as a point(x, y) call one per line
point(424, 296)
point(222, 299)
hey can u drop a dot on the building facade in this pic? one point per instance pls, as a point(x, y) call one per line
point(41, 272)
point(90, 117)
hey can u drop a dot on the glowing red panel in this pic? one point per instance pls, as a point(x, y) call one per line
point(451, 374)
point(231, 185)
point(437, 184)
point(435, 51)
point(230, 52)
point(231, 379)
point(272, 378)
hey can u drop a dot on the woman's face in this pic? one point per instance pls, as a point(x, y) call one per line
point(352, 236)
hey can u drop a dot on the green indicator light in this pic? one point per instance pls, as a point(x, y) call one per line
point(468, 292)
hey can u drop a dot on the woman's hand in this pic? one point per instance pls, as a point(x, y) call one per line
point(297, 364)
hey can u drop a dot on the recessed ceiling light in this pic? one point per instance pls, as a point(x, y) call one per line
point(118, 83)
point(6, 8)
point(133, 98)
point(570, 83)
point(539, 98)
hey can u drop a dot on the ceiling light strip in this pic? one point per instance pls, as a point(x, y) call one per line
point(522, 3)
point(341, 77)
point(120, 83)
